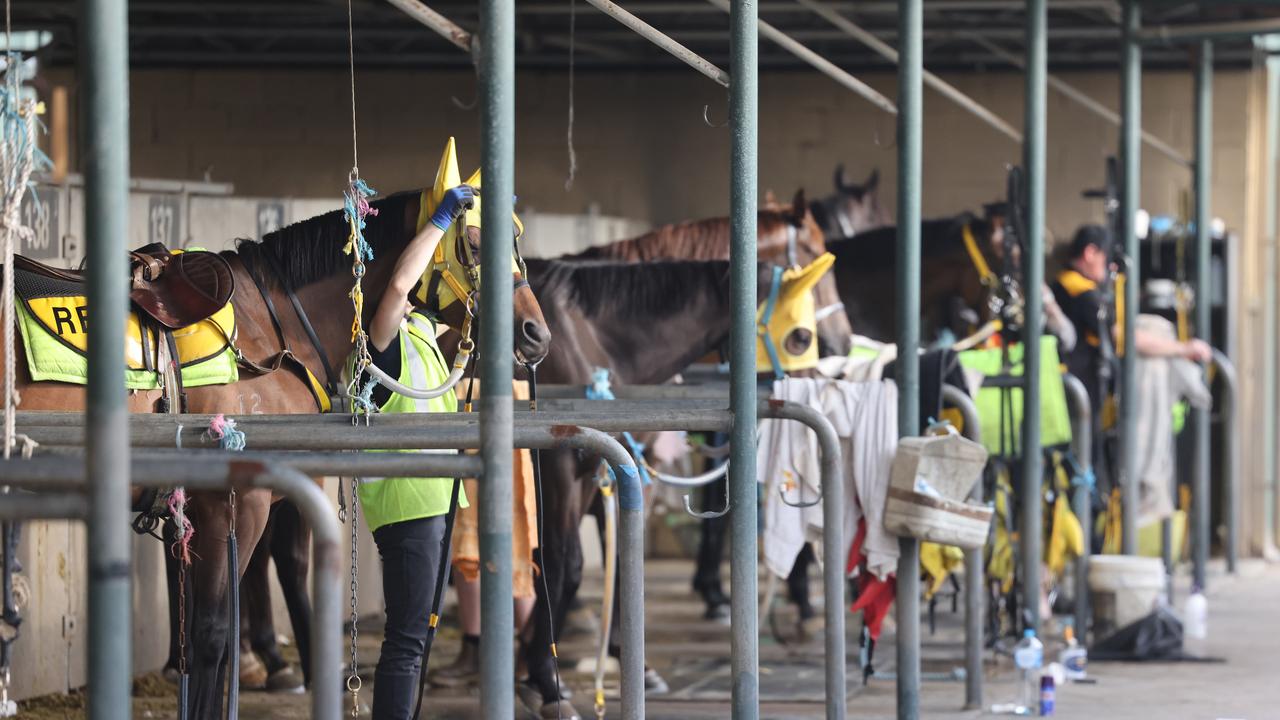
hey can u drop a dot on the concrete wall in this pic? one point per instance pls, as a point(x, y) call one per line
point(643, 149)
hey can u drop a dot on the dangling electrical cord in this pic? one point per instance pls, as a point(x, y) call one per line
point(532, 368)
point(442, 568)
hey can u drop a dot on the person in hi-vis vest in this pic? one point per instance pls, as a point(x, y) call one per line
point(407, 515)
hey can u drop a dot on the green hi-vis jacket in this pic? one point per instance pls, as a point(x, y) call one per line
point(392, 500)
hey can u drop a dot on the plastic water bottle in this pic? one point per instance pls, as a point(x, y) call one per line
point(1195, 621)
point(1074, 659)
point(1028, 657)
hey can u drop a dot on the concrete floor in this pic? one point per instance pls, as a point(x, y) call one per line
point(693, 656)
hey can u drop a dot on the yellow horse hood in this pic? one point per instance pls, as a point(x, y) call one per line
point(793, 309)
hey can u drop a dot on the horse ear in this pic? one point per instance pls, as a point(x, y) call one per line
point(873, 181)
point(770, 200)
point(799, 206)
point(839, 178)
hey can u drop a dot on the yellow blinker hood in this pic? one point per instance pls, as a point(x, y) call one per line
point(794, 308)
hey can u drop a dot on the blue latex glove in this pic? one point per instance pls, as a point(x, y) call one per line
point(457, 200)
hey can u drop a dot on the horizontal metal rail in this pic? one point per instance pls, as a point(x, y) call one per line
point(442, 25)
point(20, 506)
point(823, 65)
point(1192, 32)
point(1079, 96)
point(974, 576)
point(1082, 500)
point(827, 11)
point(219, 474)
point(662, 40)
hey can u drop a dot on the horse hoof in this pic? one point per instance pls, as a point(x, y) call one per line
point(559, 710)
point(809, 628)
point(285, 682)
point(654, 684)
point(253, 674)
point(171, 674)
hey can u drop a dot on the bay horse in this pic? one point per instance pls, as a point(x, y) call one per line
point(787, 235)
point(305, 259)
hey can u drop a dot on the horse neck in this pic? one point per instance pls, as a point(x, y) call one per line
point(330, 311)
point(652, 350)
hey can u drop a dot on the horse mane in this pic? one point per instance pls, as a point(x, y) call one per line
point(706, 239)
point(629, 291)
point(311, 250)
point(877, 247)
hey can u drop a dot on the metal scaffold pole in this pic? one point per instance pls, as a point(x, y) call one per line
point(104, 65)
point(1033, 159)
point(1130, 189)
point(496, 65)
point(910, 134)
point(743, 108)
point(1204, 304)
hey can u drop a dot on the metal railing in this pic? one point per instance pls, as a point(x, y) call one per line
point(974, 572)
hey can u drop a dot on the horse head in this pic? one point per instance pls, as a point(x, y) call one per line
point(805, 243)
point(854, 207)
point(451, 285)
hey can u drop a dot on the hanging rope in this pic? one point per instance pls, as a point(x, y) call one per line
point(573, 155)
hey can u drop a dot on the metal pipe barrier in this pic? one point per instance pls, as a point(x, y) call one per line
point(819, 63)
point(442, 25)
point(1230, 450)
point(104, 64)
point(496, 68)
point(744, 555)
point(1081, 500)
point(1130, 192)
point(662, 40)
point(825, 10)
point(1270, 400)
point(1033, 158)
point(1079, 96)
point(910, 140)
point(974, 573)
point(221, 474)
point(60, 506)
point(1200, 502)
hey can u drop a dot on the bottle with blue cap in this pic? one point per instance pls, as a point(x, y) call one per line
point(1028, 657)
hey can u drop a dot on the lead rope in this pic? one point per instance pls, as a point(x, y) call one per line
point(542, 548)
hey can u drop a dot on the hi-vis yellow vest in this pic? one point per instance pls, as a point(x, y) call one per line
point(392, 500)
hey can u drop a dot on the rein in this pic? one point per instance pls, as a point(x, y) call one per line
point(989, 278)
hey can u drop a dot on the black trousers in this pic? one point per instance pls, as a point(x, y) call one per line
point(410, 552)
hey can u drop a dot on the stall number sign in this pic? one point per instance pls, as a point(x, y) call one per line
point(270, 217)
point(164, 218)
point(41, 214)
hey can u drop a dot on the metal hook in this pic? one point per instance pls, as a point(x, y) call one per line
point(802, 503)
point(709, 514)
point(464, 106)
point(706, 118)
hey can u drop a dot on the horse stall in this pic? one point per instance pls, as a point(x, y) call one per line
point(612, 295)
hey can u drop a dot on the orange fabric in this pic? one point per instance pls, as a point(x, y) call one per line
point(524, 516)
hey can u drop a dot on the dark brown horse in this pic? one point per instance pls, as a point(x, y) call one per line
point(950, 285)
point(594, 309)
point(784, 235)
point(306, 257)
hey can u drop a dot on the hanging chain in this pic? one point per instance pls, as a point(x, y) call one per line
point(182, 617)
point(354, 682)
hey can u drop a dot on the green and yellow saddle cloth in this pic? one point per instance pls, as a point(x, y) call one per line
point(53, 319)
point(422, 365)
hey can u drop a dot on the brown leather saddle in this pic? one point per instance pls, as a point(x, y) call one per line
point(175, 290)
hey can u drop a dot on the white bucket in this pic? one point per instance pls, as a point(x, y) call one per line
point(1124, 589)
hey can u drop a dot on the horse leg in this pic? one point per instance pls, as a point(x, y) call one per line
point(290, 548)
point(258, 626)
point(560, 560)
point(209, 621)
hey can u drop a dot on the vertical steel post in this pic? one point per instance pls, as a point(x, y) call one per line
point(910, 140)
point(1081, 500)
point(1130, 189)
point(1204, 303)
point(104, 62)
point(1033, 152)
point(974, 575)
point(1270, 402)
point(496, 68)
point(743, 119)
